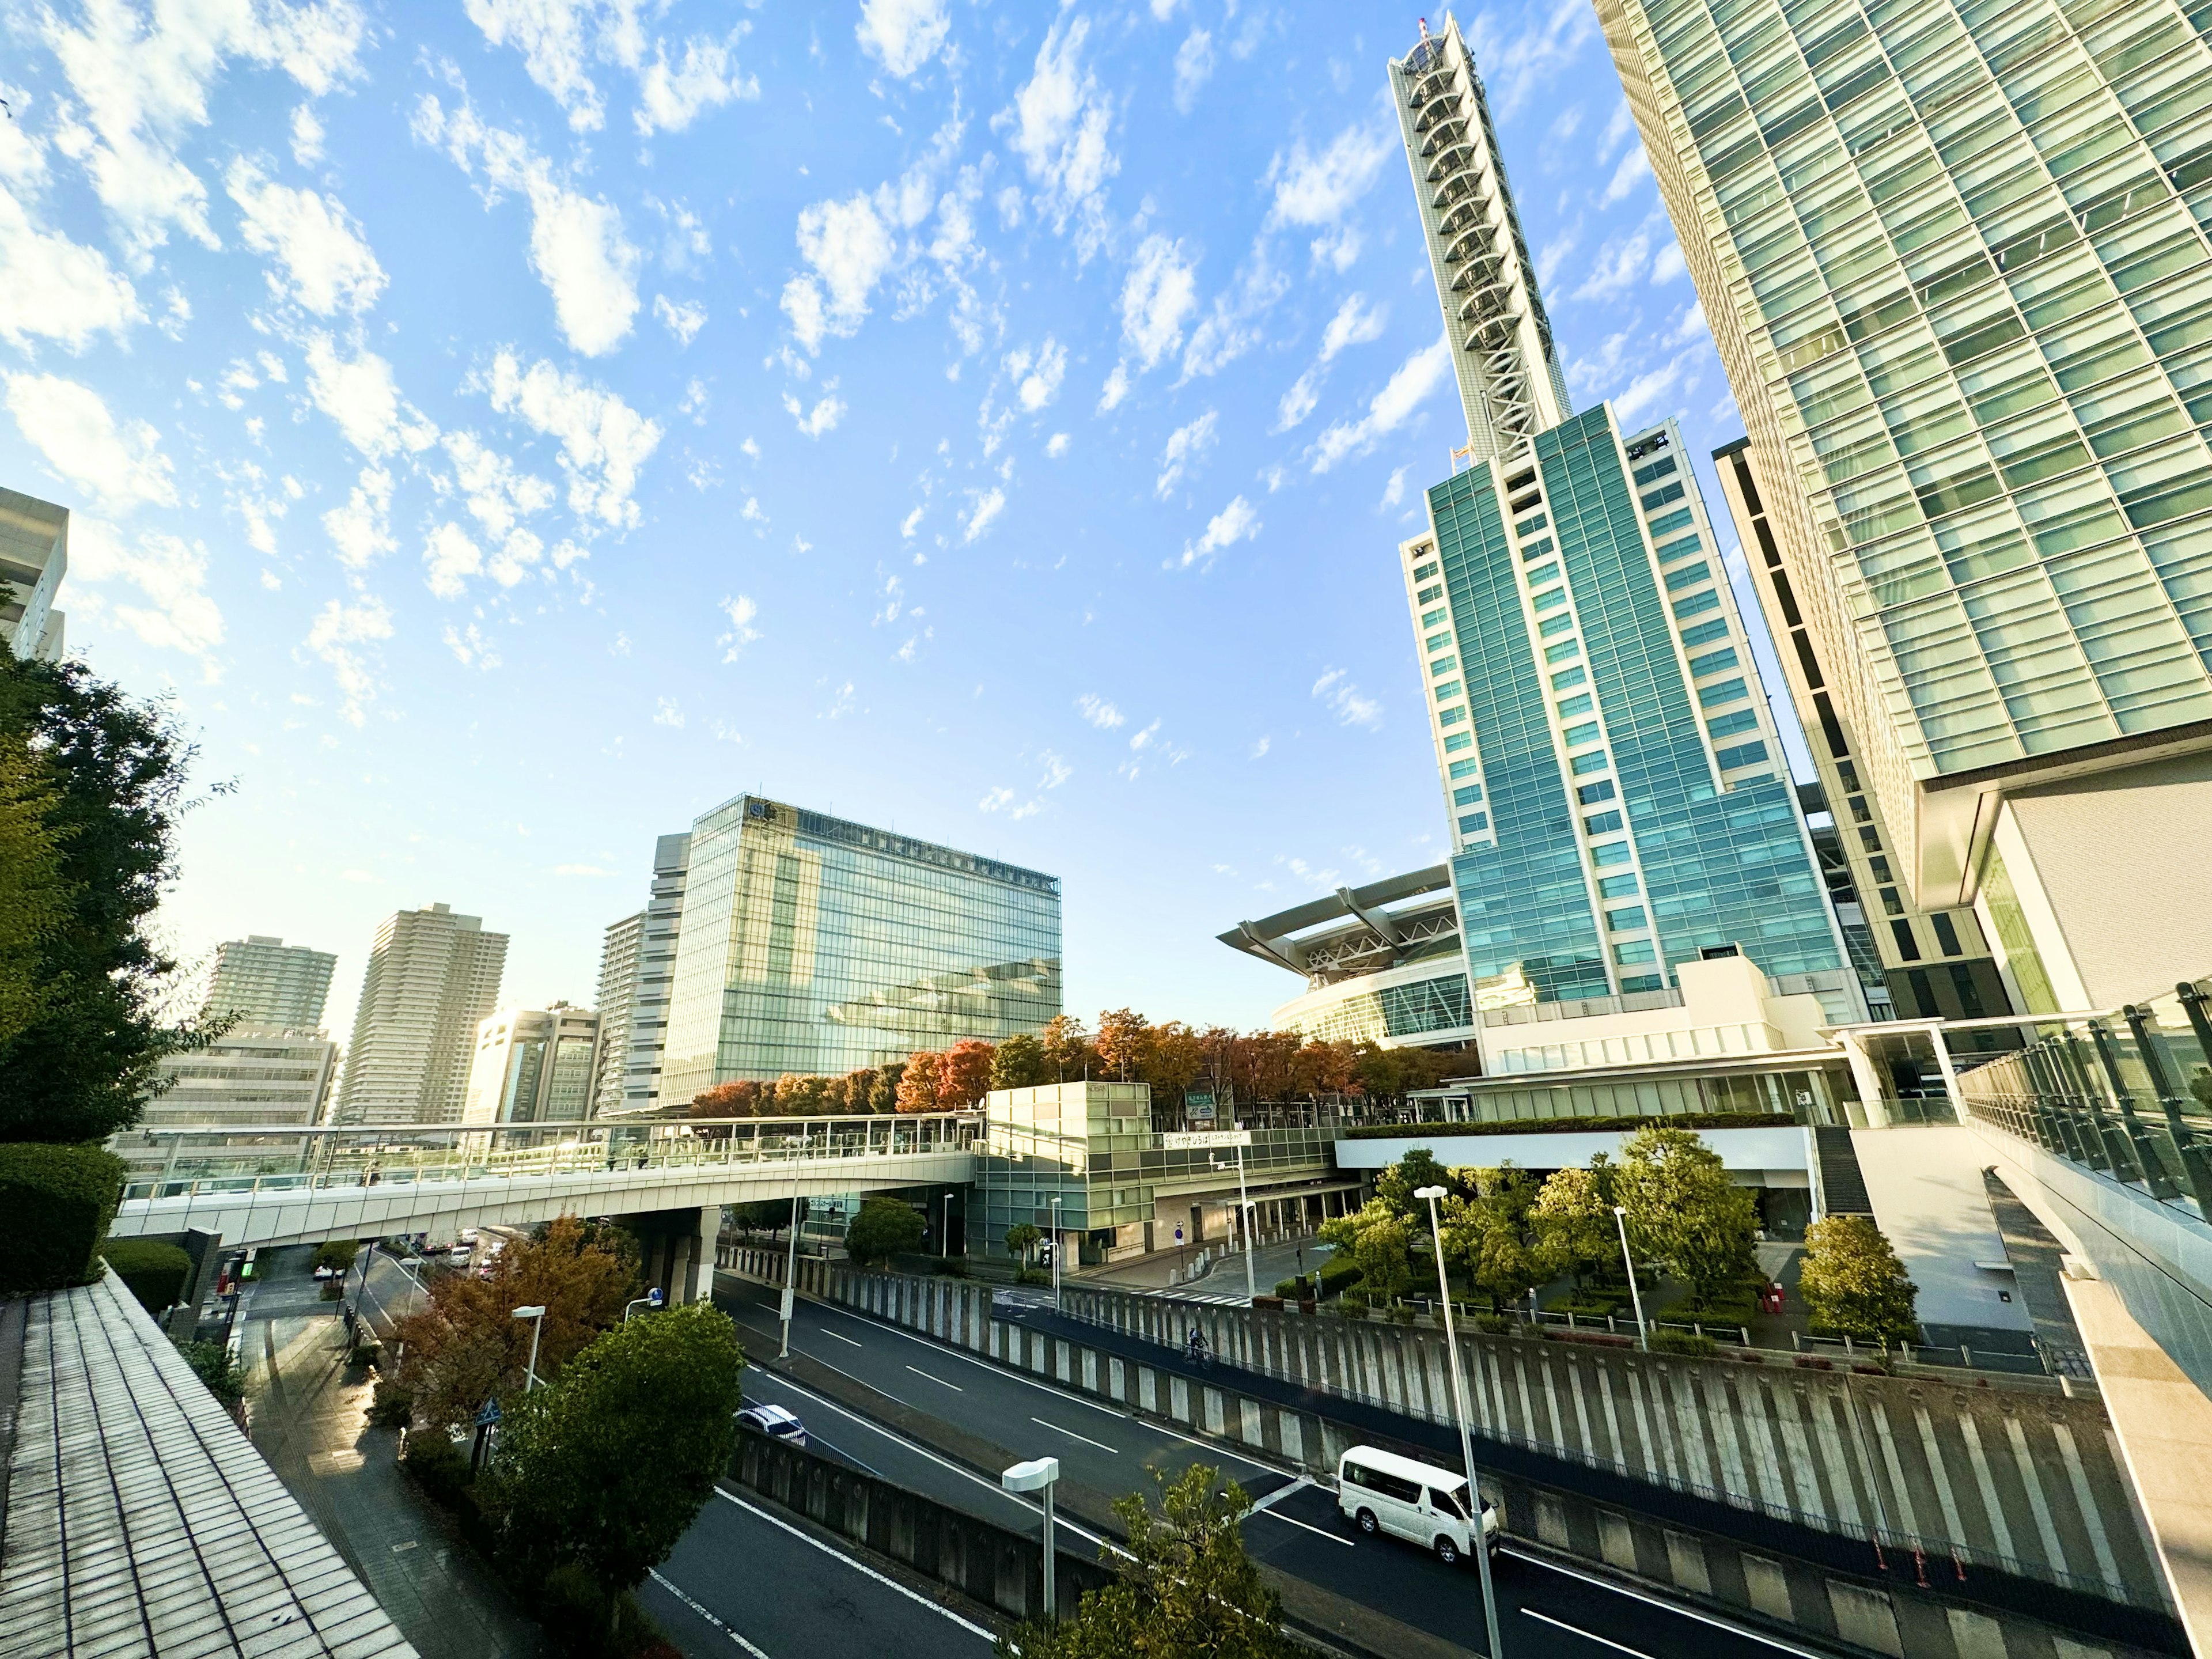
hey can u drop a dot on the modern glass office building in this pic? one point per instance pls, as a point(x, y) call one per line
point(1618, 795)
point(1954, 260)
point(813, 945)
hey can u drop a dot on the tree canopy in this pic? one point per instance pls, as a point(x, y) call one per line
point(1186, 1587)
point(91, 791)
point(1854, 1285)
point(1684, 1211)
point(883, 1228)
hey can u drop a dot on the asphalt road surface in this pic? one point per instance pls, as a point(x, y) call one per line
point(1544, 1610)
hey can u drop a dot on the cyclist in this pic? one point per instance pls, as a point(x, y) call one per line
point(1194, 1348)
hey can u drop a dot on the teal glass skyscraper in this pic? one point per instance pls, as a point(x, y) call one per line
point(1617, 792)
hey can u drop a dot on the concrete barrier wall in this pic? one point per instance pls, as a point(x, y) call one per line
point(987, 1564)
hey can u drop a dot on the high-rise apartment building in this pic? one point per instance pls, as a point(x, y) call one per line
point(619, 952)
point(532, 1065)
point(254, 1077)
point(810, 945)
point(432, 976)
point(262, 980)
point(1618, 794)
point(33, 559)
point(1954, 261)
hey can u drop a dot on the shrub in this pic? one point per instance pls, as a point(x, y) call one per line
point(952, 1266)
point(1288, 1287)
point(1586, 1306)
point(1716, 1310)
point(1033, 1276)
point(211, 1364)
point(1588, 1339)
point(883, 1228)
point(1401, 1313)
point(1814, 1363)
point(587, 1623)
point(1352, 1305)
point(442, 1467)
point(338, 1253)
point(1339, 1276)
point(394, 1406)
point(1496, 1324)
point(58, 1201)
point(1272, 1304)
point(155, 1271)
point(1686, 1343)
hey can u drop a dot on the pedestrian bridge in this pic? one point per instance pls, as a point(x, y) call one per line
point(305, 1186)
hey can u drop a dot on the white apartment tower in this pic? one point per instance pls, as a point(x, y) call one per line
point(260, 980)
point(618, 964)
point(432, 976)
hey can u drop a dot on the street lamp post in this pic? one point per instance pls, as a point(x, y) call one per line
point(947, 1228)
point(651, 1300)
point(791, 1254)
point(1055, 1252)
point(1620, 1220)
point(1038, 1475)
point(1466, 1436)
point(536, 1315)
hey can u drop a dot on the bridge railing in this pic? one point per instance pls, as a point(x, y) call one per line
point(208, 1159)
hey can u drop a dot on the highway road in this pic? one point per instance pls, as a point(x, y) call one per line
point(1546, 1611)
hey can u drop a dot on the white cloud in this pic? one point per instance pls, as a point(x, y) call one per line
point(1231, 328)
point(577, 247)
point(306, 136)
point(142, 79)
point(1193, 64)
point(1261, 748)
point(449, 557)
point(989, 505)
point(1338, 249)
point(1691, 327)
point(168, 572)
point(1390, 408)
point(364, 399)
point(554, 37)
point(339, 636)
point(1059, 122)
point(361, 531)
point(498, 493)
point(1669, 265)
point(1157, 297)
point(902, 35)
point(1634, 168)
point(1115, 389)
point(684, 320)
point(1395, 491)
point(604, 442)
point(54, 289)
point(471, 650)
point(560, 39)
point(1099, 712)
point(1620, 262)
point(828, 410)
point(1297, 402)
point(1549, 255)
point(1237, 522)
point(669, 714)
point(1318, 189)
point(119, 464)
point(1039, 378)
point(669, 97)
point(1056, 771)
point(909, 524)
point(1057, 446)
point(329, 263)
point(1185, 445)
point(741, 611)
point(1344, 699)
point(1647, 388)
point(850, 248)
point(1356, 323)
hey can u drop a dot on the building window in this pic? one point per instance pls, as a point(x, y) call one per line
point(1465, 769)
point(1947, 933)
point(1550, 598)
point(1891, 904)
point(1468, 796)
point(1452, 716)
point(1574, 705)
point(1726, 691)
point(1423, 572)
point(1449, 689)
point(1554, 625)
point(1575, 736)
point(1567, 678)
point(1907, 946)
point(1679, 549)
point(1688, 576)
point(1625, 921)
point(1474, 823)
point(1601, 824)
point(1879, 867)
point(1591, 794)
point(1536, 550)
point(1860, 812)
point(1636, 952)
point(1530, 526)
point(1444, 665)
point(1616, 887)
point(1610, 854)
point(1744, 719)
point(1429, 595)
point(1542, 573)
point(1871, 839)
point(1744, 753)
point(1565, 651)
point(1430, 618)
point(1455, 741)
point(1644, 982)
point(1593, 761)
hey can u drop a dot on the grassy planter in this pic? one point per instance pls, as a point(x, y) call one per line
point(55, 1205)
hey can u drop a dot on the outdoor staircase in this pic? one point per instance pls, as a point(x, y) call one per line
point(1843, 1188)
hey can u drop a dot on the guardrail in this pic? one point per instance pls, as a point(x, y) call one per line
point(323, 1158)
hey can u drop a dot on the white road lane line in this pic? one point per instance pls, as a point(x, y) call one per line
point(1280, 1493)
point(939, 1381)
point(1728, 1625)
point(1576, 1629)
point(857, 1566)
point(664, 1583)
point(847, 1340)
point(1072, 1435)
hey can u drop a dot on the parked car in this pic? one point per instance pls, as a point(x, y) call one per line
point(1383, 1492)
point(775, 1422)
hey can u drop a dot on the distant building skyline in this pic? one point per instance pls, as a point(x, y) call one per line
point(432, 975)
point(252, 1077)
point(532, 1065)
point(620, 953)
point(261, 980)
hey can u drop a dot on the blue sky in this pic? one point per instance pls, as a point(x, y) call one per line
point(513, 427)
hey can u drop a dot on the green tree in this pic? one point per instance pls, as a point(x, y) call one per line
point(606, 1468)
point(1378, 1241)
point(94, 784)
point(1483, 1239)
point(1395, 1186)
point(212, 1364)
point(1854, 1285)
point(1186, 1587)
point(1021, 1239)
point(1684, 1210)
point(1125, 1042)
point(1574, 1226)
point(883, 1228)
point(1067, 1048)
point(1020, 1062)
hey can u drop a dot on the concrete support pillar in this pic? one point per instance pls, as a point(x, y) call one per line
point(704, 1247)
point(1869, 1080)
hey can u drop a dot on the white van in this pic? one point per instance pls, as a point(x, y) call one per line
point(1380, 1492)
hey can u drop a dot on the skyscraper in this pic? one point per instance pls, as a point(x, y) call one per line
point(532, 1065)
point(1954, 263)
point(262, 980)
point(810, 945)
point(618, 963)
point(432, 976)
point(1617, 791)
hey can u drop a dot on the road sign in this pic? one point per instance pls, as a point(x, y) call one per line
point(490, 1415)
point(1198, 1106)
point(788, 1298)
point(1178, 1234)
point(1199, 1140)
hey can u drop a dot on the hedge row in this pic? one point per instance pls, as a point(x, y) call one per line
point(1546, 1126)
point(55, 1204)
point(155, 1271)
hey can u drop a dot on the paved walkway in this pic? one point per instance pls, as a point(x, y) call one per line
point(307, 1409)
point(1270, 1264)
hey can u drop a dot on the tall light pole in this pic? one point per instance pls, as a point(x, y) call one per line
point(1038, 1475)
point(536, 1317)
point(653, 1299)
point(1620, 1220)
point(1055, 1252)
point(791, 1256)
point(1466, 1436)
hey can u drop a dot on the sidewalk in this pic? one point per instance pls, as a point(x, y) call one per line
point(308, 1409)
point(1272, 1263)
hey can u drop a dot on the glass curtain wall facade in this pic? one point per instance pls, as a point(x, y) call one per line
point(813, 945)
point(1954, 261)
point(1618, 794)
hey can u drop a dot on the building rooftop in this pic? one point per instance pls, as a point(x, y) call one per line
point(140, 1520)
point(1358, 930)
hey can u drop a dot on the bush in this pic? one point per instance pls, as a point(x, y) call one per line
point(586, 1623)
point(211, 1364)
point(1339, 1276)
point(1401, 1313)
point(1586, 1306)
point(441, 1466)
point(394, 1406)
point(1495, 1324)
point(155, 1271)
point(1352, 1305)
point(1686, 1343)
point(1588, 1339)
point(1716, 1310)
point(338, 1253)
point(58, 1201)
point(883, 1228)
point(1290, 1287)
point(1033, 1276)
point(952, 1266)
